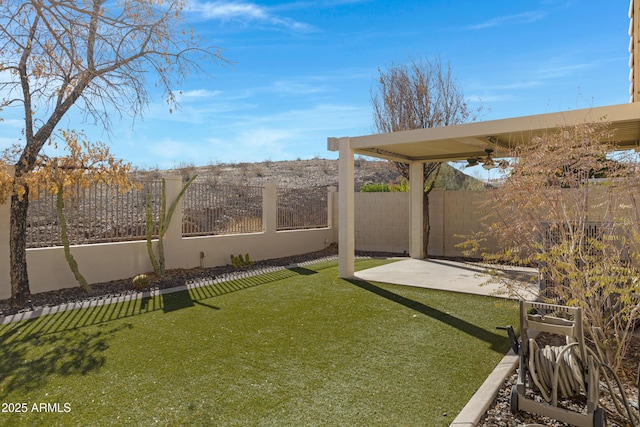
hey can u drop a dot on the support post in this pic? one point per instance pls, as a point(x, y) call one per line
point(346, 205)
point(270, 208)
point(416, 223)
point(173, 251)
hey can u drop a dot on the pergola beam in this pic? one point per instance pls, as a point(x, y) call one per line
point(457, 142)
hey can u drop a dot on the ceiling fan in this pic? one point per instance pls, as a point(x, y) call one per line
point(487, 162)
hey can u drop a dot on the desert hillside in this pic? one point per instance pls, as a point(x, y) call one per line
point(313, 173)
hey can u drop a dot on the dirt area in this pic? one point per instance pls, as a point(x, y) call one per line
point(170, 279)
point(290, 174)
point(500, 415)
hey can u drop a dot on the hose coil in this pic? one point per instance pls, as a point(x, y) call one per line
point(559, 365)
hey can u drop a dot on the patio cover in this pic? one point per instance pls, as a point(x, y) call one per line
point(458, 142)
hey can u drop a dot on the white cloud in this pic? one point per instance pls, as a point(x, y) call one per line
point(245, 12)
point(299, 88)
point(199, 93)
point(168, 151)
point(227, 10)
point(557, 70)
point(517, 19)
point(15, 123)
point(288, 134)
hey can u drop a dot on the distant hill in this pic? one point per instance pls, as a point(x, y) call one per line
point(451, 178)
point(316, 173)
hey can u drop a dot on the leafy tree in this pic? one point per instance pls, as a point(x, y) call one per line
point(85, 164)
point(96, 55)
point(582, 234)
point(421, 94)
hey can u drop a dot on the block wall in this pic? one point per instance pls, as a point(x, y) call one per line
point(382, 222)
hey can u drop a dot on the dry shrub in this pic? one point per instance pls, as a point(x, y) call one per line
point(570, 207)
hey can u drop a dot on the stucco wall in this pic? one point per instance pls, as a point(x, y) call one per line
point(382, 222)
point(381, 225)
point(461, 217)
point(48, 269)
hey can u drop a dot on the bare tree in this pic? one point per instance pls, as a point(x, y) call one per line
point(418, 95)
point(96, 55)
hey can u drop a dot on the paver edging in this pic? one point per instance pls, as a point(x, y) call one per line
point(484, 396)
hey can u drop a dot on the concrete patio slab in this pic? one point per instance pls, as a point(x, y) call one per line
point(454, 276)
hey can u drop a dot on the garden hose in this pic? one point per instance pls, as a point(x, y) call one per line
point(621, 398)
point(569, 375)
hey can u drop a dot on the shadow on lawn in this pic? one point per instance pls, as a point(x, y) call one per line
point(168, 300)
point(74, 353)
point(78, 352)
point(498, 342)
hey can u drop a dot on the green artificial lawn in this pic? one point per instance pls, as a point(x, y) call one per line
point(289, 348)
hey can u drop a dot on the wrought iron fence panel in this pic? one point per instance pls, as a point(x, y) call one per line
point(211, 209)
point(302, 208)
point(97, 214)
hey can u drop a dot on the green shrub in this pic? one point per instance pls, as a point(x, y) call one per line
point(375, 188)
point(140, 282)
point(401, 187)
point(239, 262)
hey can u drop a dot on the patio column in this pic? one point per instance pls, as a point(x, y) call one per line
point(346, 223)
point(416, 226)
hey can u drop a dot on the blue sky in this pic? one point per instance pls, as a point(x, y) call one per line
point(303, 70)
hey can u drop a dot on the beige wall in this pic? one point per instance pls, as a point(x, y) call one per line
point(381, 225)
point(461, 216)
point(382, 222)
point(48, 269)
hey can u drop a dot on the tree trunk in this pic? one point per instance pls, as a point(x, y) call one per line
point(425, 223)
point(431, 172)
point(18, 251)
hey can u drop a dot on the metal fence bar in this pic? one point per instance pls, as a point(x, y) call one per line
point(42, 220)
point(210, 209)
point(101, 214)
point(302, 208)
point(97, 214)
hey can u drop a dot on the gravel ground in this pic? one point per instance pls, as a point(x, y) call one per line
point(170, 279)
point(499, 413)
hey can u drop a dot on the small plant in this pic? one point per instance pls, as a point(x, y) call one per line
point(401, 187)
point(140, 282)
point(375, 188)
point(326, 166)
point(187, 170)
point(239, 262)
point(258, 171)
